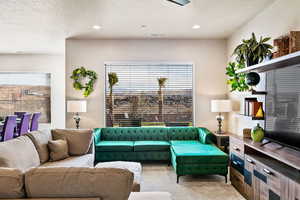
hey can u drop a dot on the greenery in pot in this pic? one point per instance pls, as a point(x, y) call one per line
point(237, 81)
point(252, 51)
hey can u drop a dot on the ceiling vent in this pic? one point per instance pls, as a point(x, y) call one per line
point(180, 2)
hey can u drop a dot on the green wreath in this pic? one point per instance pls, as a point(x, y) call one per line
point(80, 73)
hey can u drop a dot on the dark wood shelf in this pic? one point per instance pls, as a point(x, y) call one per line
point(252, 117)
point(276, 63)
point(254, 92)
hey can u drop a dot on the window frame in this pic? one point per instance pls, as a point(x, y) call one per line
point(149, 63)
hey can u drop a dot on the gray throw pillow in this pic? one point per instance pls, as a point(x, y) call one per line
point(58, 150)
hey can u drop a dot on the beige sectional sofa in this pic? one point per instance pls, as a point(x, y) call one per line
point(26, 172)
point(31, 150)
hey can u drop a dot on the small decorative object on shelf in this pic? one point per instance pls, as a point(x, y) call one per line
point(256, 109)
point(78, 75)
point(287, 44)
point(257, 133)
point(260, 112)
point(247, 132)
point(252, 78)
point(294, 42)
point(247, 101)
point(282, 46)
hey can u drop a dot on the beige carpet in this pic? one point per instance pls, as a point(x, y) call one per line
point(160, 177)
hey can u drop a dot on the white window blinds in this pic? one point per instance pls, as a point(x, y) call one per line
point(149, 94)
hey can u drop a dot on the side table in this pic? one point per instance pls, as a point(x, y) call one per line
point(222, 140)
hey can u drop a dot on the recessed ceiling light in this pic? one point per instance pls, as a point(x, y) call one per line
point(143, 26)
point(97, 27)
point(196, 26)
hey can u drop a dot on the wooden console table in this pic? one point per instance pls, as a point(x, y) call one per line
point(264, 172)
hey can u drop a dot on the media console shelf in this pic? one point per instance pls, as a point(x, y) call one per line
point(276, 63)
point(268, 172)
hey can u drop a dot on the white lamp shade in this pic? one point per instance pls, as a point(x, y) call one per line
point(221, 106)
point(76, 106)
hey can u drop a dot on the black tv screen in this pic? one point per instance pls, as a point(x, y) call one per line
point(282, 122)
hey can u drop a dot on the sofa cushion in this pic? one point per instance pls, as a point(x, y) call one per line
point(19, 153)
point(105, 183)
point(199, 153)
point(79, 141)
point(58, 150)
point(183, 133)
point(181, 142)
point(134, 134)
point(12, 183)
point(40, 140)
point(151, 146)
point(134, 167)
point(73, 161)
point(114, 146)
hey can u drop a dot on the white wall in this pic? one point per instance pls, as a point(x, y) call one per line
point(54, 64)
point(276, 20)
point(209, 57)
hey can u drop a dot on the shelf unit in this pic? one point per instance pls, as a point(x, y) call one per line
point(269, 171)
point(252, 117)
point(276, 63)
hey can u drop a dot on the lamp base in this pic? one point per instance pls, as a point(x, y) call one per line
point(77, 120)
point(219, 119)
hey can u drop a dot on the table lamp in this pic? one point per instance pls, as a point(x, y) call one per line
point(220, 106)
point(76, 106)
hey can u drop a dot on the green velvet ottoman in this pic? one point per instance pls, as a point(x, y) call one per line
point(195, 158)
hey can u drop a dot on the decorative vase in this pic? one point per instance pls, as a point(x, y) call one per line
point(257, 133)
point(252, 78)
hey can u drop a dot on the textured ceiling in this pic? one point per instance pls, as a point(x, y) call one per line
point(41, 26)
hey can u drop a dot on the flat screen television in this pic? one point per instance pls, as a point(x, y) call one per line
point(282, 122)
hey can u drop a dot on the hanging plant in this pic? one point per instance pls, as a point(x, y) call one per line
point(237, 81)
point(80, 74)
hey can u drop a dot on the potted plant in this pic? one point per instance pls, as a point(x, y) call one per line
point(252, 51)
point(237, 81)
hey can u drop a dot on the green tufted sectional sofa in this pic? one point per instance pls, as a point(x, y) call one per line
point(189, 149)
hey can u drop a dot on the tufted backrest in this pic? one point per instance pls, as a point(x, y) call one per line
point(134, 134)
point(152, 133)
point(183, 133)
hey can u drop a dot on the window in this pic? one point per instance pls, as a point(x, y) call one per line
point(149, 94)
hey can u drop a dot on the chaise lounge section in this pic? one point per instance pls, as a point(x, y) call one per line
point(189, 149)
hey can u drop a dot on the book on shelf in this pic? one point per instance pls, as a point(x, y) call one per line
point(247, 109)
